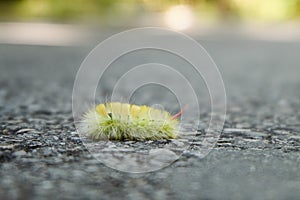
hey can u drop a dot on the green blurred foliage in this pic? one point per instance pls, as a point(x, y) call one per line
point(101, 10)
point(61, 10)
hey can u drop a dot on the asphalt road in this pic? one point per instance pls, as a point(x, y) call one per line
point(256, 157)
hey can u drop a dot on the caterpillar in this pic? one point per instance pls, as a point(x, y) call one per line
point(123, 121)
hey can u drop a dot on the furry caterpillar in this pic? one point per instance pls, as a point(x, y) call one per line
point(120, 121)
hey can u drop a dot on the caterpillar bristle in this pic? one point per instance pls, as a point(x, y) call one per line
point(120, 121)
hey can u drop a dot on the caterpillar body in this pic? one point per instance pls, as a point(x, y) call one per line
point(123, 121)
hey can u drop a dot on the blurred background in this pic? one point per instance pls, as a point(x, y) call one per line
point(68, 22)
point(124, 12)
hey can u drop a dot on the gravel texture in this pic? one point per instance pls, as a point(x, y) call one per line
point(256, 157)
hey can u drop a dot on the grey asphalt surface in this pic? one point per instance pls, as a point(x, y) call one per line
point(256, 157)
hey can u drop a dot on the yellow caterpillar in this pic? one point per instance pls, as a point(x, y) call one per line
point(120, 121)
